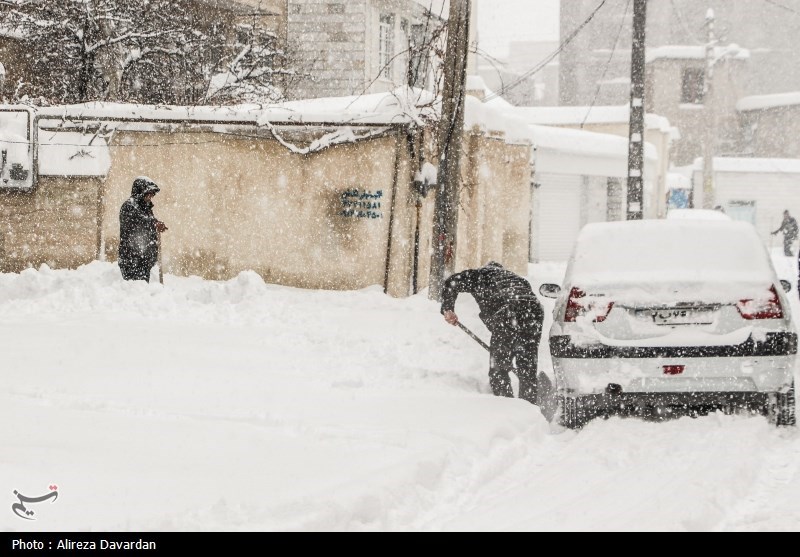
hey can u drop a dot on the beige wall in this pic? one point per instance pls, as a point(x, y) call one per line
point(56, 224)
point(238, 204)
point(234, 204)
point(494, 220)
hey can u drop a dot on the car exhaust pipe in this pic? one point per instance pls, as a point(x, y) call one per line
point(613, 389)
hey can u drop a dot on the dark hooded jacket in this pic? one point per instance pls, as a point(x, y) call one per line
point(138, 237)
point(497, 290)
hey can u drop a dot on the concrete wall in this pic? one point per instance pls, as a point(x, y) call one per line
point(664, 87)
point(772, 133)
point(56, 224)
point(343, 218)
point(494, 219)
point(239, 204)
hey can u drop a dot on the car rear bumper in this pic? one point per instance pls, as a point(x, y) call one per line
point(774, 344)
point(752, 367)
point(671, 404)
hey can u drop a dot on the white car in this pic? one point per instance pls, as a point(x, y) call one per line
point(670, 317)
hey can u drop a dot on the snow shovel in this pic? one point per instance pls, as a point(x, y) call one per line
point(472, 335)
point(160, 264)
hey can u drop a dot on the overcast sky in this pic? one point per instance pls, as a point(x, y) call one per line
point(502, 21)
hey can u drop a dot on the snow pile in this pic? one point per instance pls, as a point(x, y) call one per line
point(253, 407)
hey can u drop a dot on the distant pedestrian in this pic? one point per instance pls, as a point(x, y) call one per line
point(790, 230)
point(514, 317)
point(139, 231)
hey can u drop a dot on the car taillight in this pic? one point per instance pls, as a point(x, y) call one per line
point(762, 309)
point(578, 305)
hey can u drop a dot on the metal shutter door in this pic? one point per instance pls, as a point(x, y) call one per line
point(557, 217)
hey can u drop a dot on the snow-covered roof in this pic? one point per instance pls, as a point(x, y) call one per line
point(476, 83)
point(577, 115)
point(763, 102)
point(682, 52)
point(677, 180)
point(148, 113)
point(72, 154)
point(581, 142)
point(489, 120)
point(403, 105)
point(582, 153)
point(758, 166)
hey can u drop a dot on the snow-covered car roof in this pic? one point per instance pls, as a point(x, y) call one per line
point(670, 251)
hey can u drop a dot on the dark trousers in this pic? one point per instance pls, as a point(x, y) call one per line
point(135, 269)
point(514, 349)
point(787, 246)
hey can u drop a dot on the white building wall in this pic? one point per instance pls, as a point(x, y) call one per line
point(770, 194)
point(558, 218)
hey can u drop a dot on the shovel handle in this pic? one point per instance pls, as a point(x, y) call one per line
point(472, 335)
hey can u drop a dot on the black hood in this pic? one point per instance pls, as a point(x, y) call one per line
point(142, 186)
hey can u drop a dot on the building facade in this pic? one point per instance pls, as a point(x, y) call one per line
point(755, 55)
point(600, 53)
point(359, 46)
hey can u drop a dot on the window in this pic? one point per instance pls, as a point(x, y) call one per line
point(417, 47)
point(386, 45)
point(693, 85)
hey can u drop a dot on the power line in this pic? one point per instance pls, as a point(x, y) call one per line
point(538, 67)
point(608, 63)
point(787, 8)
point(684, 25)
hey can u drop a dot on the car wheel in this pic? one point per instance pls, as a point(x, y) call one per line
point(571, 412)
point(785, 409)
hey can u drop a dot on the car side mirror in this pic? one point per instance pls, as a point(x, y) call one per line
point(787, 286)
point(550, 290)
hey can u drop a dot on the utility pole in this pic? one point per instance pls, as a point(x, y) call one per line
point(637, 112)
point(451, 133)
point(710, 114)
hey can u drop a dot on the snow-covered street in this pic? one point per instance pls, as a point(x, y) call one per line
point(236, 406)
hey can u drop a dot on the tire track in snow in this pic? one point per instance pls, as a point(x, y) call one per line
point(776, 491)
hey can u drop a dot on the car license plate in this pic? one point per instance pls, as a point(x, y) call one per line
point(677, 316)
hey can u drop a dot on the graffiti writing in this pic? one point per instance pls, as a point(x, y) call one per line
point(360, 204)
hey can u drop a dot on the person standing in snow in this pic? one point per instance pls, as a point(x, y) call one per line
point(514, 317)
point(790, 230)
point(139, 231)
